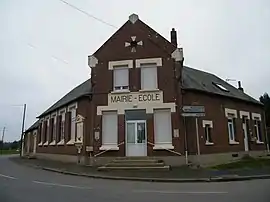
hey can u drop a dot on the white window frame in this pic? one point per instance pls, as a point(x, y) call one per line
point(120, 88)
point(163, 145)
point(72, 108)
point(149, 63)
point(47, 130)
point(155, 74)
point(207, 123)
point(231, 114)
point(244, 114)
point(54, 116)
point(62, 112)
point(111, 145)
point(257, 117)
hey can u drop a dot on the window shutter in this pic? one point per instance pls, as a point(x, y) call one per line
point(162, 126)
point(121, 77)
point(149, 77)
point(73, 124)
point(58, 128)
point(67, 126)
point(109, 128)
point(260, 131)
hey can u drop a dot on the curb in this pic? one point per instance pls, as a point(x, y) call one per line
point(182, 180)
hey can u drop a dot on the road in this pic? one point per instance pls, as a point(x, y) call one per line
point(24, 184)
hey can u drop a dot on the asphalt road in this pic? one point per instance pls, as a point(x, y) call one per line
point(25, 184)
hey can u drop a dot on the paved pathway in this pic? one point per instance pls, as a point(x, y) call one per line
point(24, 184)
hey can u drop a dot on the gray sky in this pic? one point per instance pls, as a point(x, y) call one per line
point(44, 45)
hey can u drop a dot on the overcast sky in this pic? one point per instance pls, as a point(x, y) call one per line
point(44, 45)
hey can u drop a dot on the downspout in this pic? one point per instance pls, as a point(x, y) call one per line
point(266, 134)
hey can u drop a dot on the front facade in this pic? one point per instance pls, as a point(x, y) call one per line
point(132, 105)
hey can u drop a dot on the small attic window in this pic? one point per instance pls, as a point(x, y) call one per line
point(221, 87)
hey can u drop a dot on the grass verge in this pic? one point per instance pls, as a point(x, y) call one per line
point(6, 152)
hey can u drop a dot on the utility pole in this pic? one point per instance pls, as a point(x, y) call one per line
point(23, 120)
point(2, 143)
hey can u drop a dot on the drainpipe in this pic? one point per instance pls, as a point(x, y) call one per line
point(266, 134)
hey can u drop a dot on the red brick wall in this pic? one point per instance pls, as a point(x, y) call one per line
point(215, 111)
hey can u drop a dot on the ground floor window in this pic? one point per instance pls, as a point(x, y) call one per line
point(109, 129)
point(208, 125)
point(258, 131)
point(232, 130)
point(163, 129)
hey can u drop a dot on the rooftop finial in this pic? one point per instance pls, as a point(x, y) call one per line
point(133, 18)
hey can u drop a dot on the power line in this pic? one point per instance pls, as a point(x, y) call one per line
point(89, 15)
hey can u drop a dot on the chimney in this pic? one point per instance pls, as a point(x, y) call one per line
point(174, 37)
point(240, 87)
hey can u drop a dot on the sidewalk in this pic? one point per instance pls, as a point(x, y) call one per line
point(176, 174)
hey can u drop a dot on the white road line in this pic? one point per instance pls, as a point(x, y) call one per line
point(60, 185)
point(9, 177)
point(179, 192)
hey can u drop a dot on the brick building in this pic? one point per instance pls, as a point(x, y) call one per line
point(132, 105)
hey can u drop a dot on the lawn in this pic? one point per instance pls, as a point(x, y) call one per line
point(247, 162)
point(6, 152)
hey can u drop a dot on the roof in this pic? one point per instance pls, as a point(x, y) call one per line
point(194, 79)
point(79, 91)
point(34, 126)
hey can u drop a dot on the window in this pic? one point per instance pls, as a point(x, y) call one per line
point(149, 77)
point(258, 132)
point(163, 129)
point(120, 78)
point(72, 110)
point(208, 125)
point(109, 130)
point(62, 127)
point(221, 87)
point(232, 130)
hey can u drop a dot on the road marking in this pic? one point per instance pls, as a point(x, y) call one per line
point(180, 192)
point(9, 177)
point(60, 185)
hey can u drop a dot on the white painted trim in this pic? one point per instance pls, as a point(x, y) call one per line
point(259, 142)
point(256, 116)
point(133, 18)
point(163, 146)
point(61, 142)
point(71, 142)
point(178, 54)
point(233, 142)
point(93, 61)
point(148, 107)
point(47, 117)
point(157, 61)
point(46, 143)
point(114, 64)
point(109, 147)
point(53, 142)
point(72, 106)
point(207, 122)
point(40, 144)
point(53, 114)
point(230, 111)
point(209, 143)
point(120, 91)
point(62, 111)
point(149, 90)
point(244, 113)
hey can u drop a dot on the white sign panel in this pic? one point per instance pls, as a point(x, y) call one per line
point(135, 98)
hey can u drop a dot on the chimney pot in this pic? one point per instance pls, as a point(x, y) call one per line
point(240, 86)
point(174, 37)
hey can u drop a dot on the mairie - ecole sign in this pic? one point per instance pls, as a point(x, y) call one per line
point(135, 98)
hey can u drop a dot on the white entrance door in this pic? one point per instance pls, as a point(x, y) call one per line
point(245, 136)
point(136, 141)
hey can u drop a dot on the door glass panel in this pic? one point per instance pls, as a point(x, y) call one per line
point(140, 132)
point(131, 133)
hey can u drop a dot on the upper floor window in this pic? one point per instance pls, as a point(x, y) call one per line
point(121, 78)
point(149, 77)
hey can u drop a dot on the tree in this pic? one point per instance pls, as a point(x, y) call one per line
point(265, 99)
